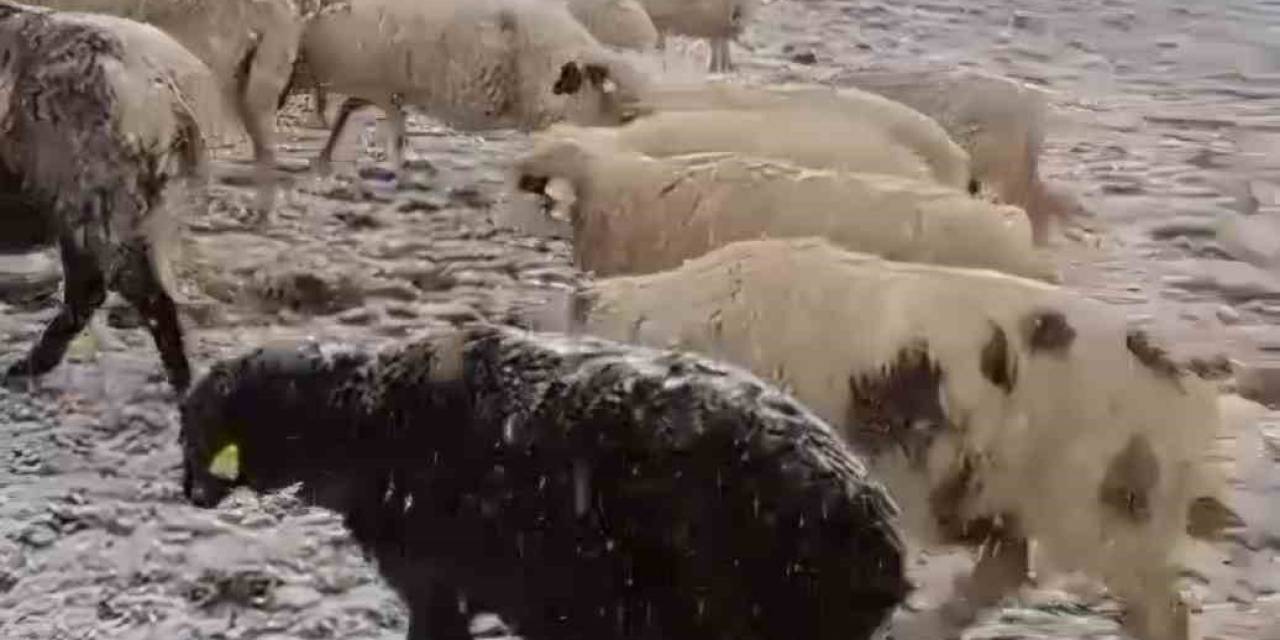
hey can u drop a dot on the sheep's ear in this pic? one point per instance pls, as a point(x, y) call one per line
point(226, 465)
point(598, 75)
point(570, 80)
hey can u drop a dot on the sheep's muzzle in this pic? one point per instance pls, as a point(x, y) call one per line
point(201, 488)
point(533, 184)
point(537, 185)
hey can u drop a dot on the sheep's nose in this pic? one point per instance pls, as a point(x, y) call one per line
point(205, 495)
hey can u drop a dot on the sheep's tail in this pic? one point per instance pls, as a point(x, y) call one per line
point(165, 230)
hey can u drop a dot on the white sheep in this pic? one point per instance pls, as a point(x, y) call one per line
point(675, 116)
point(249, 44)
point(635, 214)
point(617, 23)
point(719, 21)
point(101, 138)
point(999, 121)
point(992, 406)
point(622, 24)
point(474, 64)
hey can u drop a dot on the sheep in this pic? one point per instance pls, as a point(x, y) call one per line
point(474, 64)
point(617, 23)
point(719, 21)
point(622, 24)
point(634, 214)
point(523, 472)
point(249, 44)
point(993, 407)
point(99, 139)
point(800, 138)
point(999, 121)
point(840, 116)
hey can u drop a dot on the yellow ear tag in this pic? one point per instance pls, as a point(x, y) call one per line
point(226, 465)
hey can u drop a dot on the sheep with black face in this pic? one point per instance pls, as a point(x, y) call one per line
point(577, 487)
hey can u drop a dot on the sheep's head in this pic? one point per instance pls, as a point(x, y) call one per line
point(264, 421)
point(599, 90)
point(553, 172)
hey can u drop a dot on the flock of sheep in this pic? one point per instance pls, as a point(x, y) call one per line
point(878, 253)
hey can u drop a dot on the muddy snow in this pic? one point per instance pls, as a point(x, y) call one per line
point(1166, 124)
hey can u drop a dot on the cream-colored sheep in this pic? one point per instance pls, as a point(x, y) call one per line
point(999, 121)
point(622, 24)
point(992, 406)
point(719, 21)
point(617, 23)
point(635, 214)
point(664, 108)
point(474, 64)
point(249, 44)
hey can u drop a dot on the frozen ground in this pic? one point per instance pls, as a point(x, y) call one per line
point(1167, 123)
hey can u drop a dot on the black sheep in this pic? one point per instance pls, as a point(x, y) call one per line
point(96, 122)
point(577, 487)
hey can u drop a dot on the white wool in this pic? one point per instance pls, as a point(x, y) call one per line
point(824, 107)
point(808, 316)
point(999, 121)
point(701, 18)
point(719, 21)
point(637, 214)
point(798, 137)
point(617, 23)
point(475, 64)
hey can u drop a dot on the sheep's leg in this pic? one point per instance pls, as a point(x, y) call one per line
point(350, 106)
point(268, 74)
point(662, 47)
point(398, 132)
point(139, 283)
point(320, 100)
point(84, 291)
point(720, 61)
point(1154, 610)
point(1001, 570)
point(435, 615)
point(259, 125)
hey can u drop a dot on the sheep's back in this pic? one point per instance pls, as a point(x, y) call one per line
point(617, 23)
point(698, 18)
point(683, 207)
point(629, 487)
point(829, 107)
point(1043, 416)
point(1000, 122)
point(806, 138)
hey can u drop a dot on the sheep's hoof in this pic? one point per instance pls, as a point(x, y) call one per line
point(322, 167)
point(17, 377)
